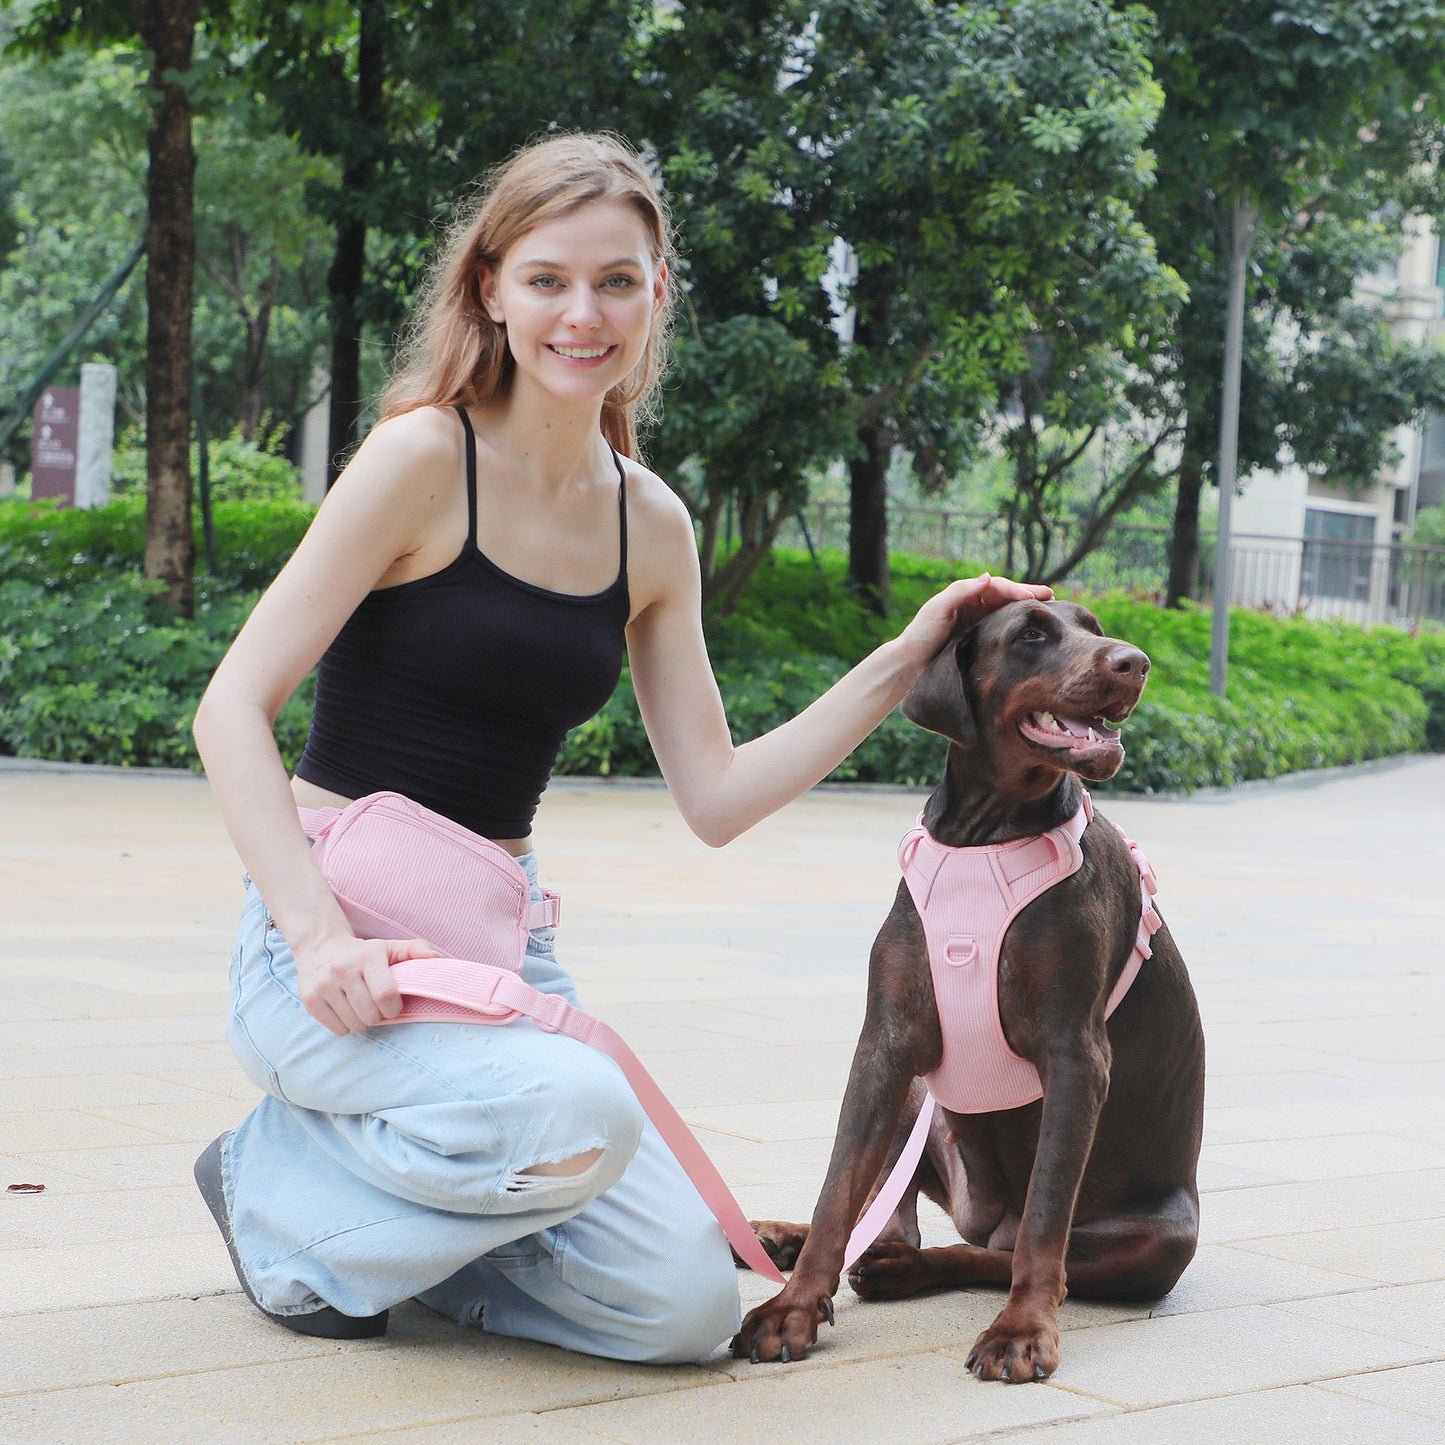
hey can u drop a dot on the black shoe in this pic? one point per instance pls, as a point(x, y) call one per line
point(325, 1323)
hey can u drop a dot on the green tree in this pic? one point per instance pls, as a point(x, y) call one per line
point(409, 103)
point(892, 210)
point(979, 163)
point(1320, 117)
point(167, 31)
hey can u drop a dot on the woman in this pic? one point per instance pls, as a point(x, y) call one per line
point(468, 588)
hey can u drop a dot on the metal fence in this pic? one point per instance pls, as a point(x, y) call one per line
point(1364, 582)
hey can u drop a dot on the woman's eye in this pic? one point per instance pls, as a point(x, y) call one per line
point(619, 283)
point(545, 283)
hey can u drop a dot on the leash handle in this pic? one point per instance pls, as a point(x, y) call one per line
point(458, 991)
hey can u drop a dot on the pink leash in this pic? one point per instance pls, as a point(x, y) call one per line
point(464, 992)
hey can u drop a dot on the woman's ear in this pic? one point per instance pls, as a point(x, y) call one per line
point(938, 701)
point(659, 289)
point(487, 289)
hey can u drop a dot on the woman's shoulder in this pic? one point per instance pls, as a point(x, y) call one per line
point(650, 501)
point(426, 435)
point(413, 454)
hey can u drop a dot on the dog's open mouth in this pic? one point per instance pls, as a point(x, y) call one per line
point(1073, 734)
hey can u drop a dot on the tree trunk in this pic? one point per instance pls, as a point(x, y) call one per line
point(253, 361)
point(168, 28)
point(348, 263)
point(1184, 541)
point(868, 518)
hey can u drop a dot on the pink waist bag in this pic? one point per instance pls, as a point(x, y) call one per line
point(399, 870)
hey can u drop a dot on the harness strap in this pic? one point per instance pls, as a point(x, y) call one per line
point(456, 990)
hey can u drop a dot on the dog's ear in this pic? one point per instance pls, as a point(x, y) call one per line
point(938, 701)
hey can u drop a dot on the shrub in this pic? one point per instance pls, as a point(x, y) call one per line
point(90, 673)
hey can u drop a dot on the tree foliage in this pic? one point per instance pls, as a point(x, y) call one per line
point(1327, 114)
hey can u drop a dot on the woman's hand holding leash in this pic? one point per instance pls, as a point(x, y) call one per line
point(346, 982)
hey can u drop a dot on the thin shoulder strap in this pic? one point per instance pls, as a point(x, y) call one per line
point(621, 509)
point(471, 445)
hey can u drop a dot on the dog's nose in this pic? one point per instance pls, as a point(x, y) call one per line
point(1127, 661)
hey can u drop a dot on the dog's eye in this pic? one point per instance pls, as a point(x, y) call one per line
point(1032, 634)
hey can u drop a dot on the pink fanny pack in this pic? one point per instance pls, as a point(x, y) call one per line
point(399, 870)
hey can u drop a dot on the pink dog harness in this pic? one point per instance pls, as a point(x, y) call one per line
point(967, 898)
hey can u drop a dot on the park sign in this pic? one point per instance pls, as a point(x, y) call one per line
point(54, 444)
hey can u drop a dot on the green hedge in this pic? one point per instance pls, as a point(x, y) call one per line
point(89, 672)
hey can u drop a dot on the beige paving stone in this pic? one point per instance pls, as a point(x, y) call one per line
point(1323, 1204)
point(1328, 1156)
point(1269, 1119)
point(110, 1415)
point(1265, 1417)
point(490, 1430)
point(60, 1217)
point(1420, 1389)
point(118, 1058)
point(29, 1131)
point(372, 1386)
point(196, 1121)
point(92, 1092)
point(81, 1033)
point(1323, 1007)
point(66, 1349)
point(74, 1275)
point(1221, 1277)
point(15, 1169)
point(143, 1166)
point(808, 1119)
point(749, 1075)
point(1398, 1255)
point(1414, 1313)
point(1138, 1363)
point(919, 1399)
point(203, 996)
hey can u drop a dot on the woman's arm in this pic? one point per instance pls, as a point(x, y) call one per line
point(722, 790)
point(387, 506)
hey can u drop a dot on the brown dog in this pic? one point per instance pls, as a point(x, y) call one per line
point(1094, 1185)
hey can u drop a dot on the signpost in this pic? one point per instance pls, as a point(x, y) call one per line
point(54, 443)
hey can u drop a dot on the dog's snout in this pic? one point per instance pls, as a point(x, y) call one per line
point(1126, 661)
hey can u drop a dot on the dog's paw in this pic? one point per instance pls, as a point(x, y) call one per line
point(782, 1241)
point(889, 1269)
point(1016, 1349)
point(784, 1328)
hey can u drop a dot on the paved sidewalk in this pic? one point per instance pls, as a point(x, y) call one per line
point(1311, 917)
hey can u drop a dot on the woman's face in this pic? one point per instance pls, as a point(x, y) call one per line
point(577, 296)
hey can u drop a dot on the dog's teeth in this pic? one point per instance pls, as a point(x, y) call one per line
point(1048, 720)
point(1093, 736)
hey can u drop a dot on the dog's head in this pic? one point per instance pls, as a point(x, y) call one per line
point(1035, 684)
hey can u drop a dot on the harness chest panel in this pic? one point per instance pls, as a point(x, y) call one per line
point(966, 898)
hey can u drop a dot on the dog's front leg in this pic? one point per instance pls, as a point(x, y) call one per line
point(1023, 1342)
point(787, 1325)
point(900, 1040)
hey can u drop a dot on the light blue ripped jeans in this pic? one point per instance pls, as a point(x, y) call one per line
point(392, 1164)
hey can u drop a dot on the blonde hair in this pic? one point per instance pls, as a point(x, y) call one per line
point(452, 351)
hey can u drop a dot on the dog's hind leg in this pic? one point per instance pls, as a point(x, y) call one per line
point(1134, 1255)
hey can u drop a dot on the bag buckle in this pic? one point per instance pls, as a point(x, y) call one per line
point(550, 1012)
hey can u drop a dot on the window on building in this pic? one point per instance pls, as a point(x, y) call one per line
point(1338, 552)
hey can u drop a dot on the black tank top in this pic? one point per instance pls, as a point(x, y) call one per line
point(459, 688)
